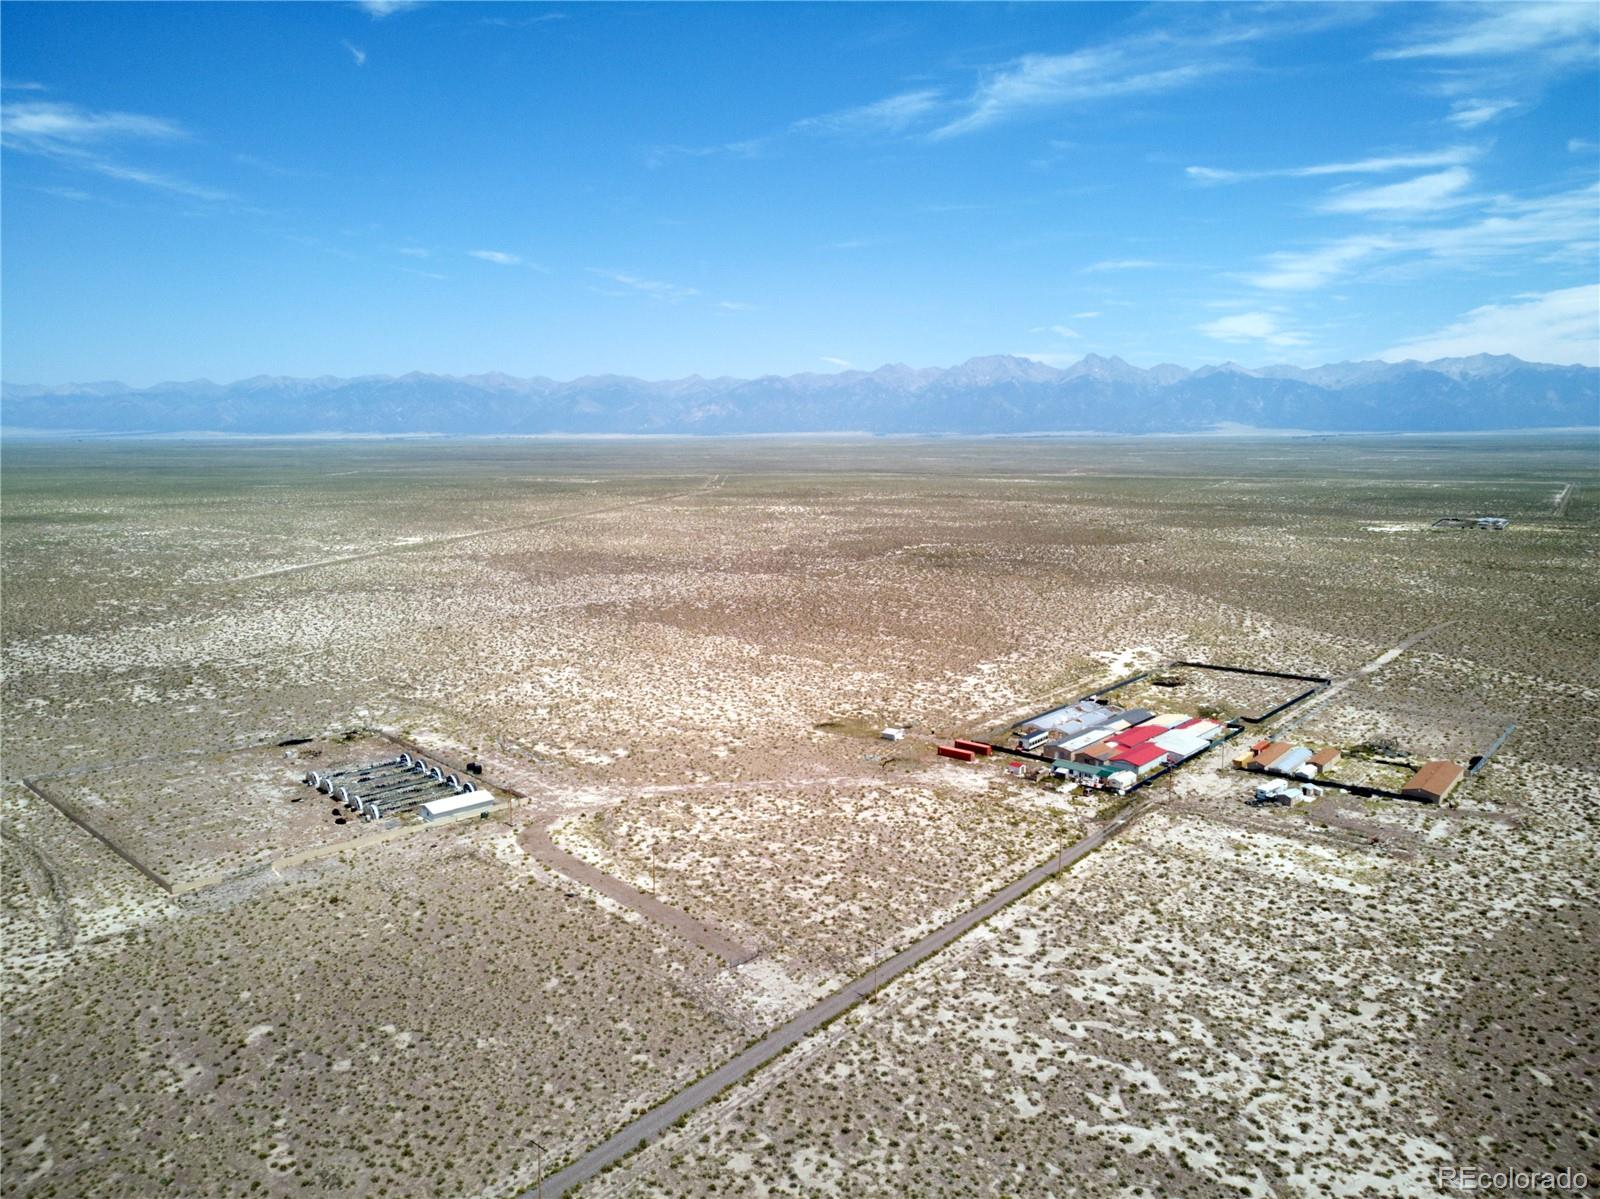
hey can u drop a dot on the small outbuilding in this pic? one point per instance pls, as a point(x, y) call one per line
point(1290, 761)
point(1433, 782)
point(1268, 755)
point(464, 804)
point(1324, 758)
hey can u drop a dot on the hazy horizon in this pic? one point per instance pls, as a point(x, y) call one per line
point(662, 191)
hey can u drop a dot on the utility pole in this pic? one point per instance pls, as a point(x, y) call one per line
point(540, 1148)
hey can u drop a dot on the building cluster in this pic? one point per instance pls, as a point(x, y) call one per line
point(401, 784)
point(1431, 783)
point(1099, 745)
point(1280, 757)
point(1497, 524)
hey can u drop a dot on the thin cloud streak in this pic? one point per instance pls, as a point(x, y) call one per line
point(655, 289)
point(1424, 194)
point(1561, 326)
point(1485, 31)
point(1563, 223)
point(1377, 165)
point(74, 135)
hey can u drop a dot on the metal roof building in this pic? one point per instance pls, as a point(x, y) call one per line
point(1140, 758)
point(1291, 761)
point(1433, 782)
point(459, 805)
point(1083, 770)
point(1268, 755)
point(1180, 743)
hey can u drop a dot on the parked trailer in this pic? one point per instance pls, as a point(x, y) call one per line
point(390, 783)
point(951, 751)
point(982, 748)
point(393, 805)
point(361, 800)
point(315, 778)
point(402, 800)
point(388, 800)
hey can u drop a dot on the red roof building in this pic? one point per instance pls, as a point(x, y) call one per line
point(1137, 757)
point(1137, 735)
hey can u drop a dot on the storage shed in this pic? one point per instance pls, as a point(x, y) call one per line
point(1324, 758)
point(1268, 755)
point(1433, 782)
point(1168, 720)
point(1288, 763)
point(1082, 770)
point(464, 804)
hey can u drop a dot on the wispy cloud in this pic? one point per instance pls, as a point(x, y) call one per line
point(1261, 327)
point(80, 137)
point(735, 306)
point(1487, 31)
point(22, 85)
point(53, 125)
point(356, 52)
point(1560, 326)
point(1424, 194)
point(1376, 165)
point(656, 289)
point(1305, 270)
point(891, 115)
point(842, 363)
point(1085, 316)
point(1058, 330)
point(523, 22)
point(1120, 264)
point(498, 257)
point(1037, 81)
point(1562, 225)
point(882, 117)
point(413, 251)
point(378, 9)
point(1469, 114)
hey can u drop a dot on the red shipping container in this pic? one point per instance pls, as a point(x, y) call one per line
point(977, 747)
point(950, 751)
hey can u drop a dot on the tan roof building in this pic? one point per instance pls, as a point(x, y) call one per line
point(1324, 758)
point(1269, 753)
point(1434, 781)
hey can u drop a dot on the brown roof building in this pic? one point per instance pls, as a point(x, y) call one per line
point(1099, 753)
point(1324, 758)
point(1433, 782)
point(1268, 754)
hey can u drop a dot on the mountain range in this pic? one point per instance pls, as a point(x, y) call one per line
point(994, 394)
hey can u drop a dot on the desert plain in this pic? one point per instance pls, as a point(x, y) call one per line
point(671, 660)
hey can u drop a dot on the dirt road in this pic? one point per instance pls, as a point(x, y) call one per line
point(535, 838)
point(658, 1119)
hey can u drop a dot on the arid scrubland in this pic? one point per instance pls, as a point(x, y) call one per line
point(681, 653)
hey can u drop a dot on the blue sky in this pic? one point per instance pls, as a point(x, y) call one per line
point(228, 190)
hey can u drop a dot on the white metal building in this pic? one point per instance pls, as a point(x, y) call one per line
point(464, 804)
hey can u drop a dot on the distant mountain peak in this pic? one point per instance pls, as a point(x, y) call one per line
point(985, 394)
